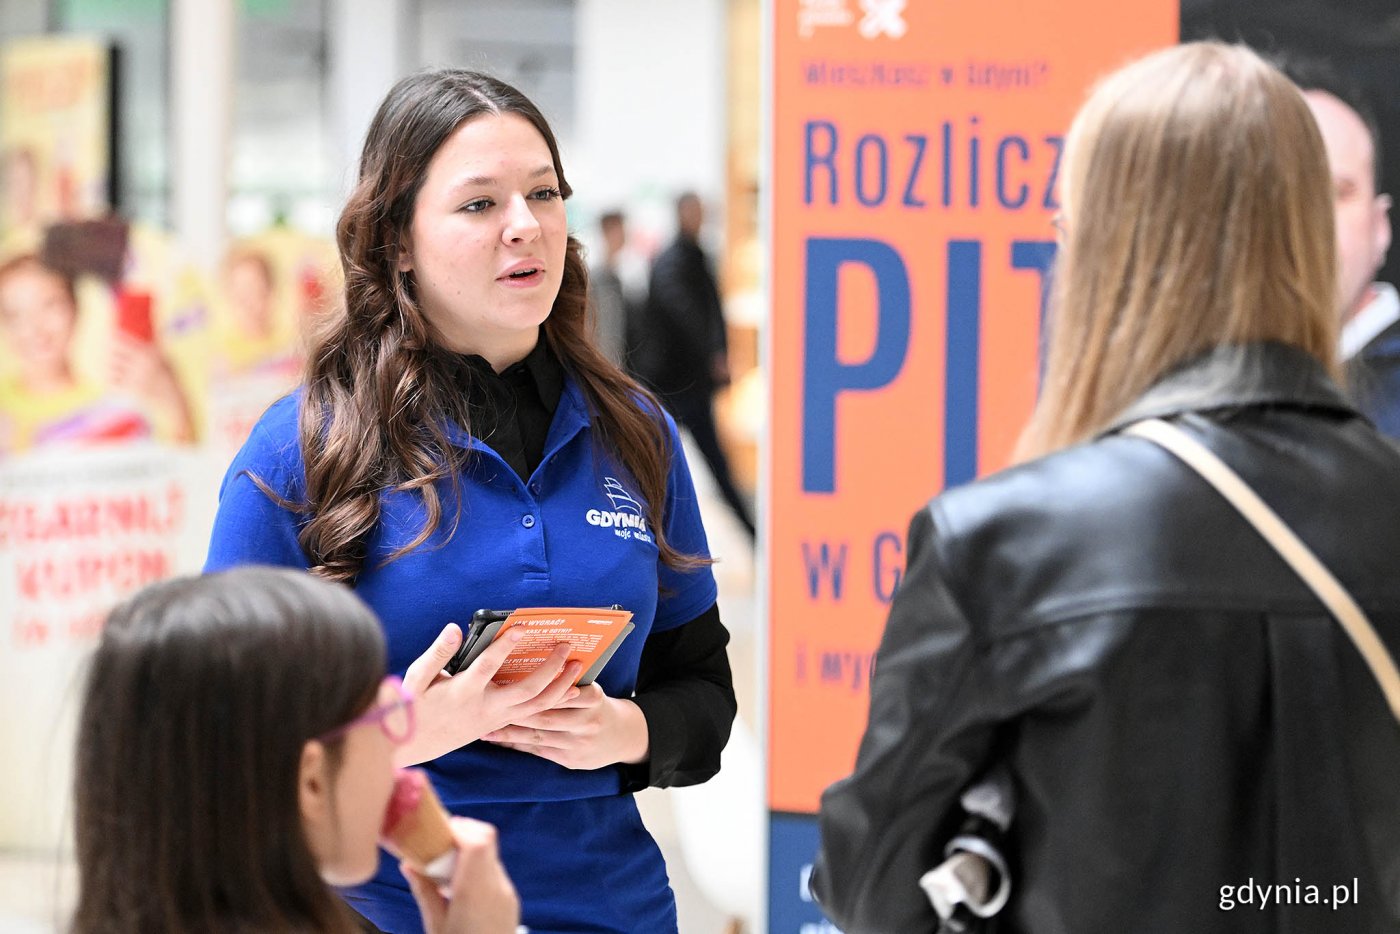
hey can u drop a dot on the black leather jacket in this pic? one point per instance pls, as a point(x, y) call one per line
point(1179, 713)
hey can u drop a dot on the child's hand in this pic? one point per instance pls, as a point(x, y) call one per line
point(483, 900)
point(141, 369)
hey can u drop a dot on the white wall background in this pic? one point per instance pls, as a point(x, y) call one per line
point(650, 91)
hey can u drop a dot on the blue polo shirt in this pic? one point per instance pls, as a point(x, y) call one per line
point(572, 535)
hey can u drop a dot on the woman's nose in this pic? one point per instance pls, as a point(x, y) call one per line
point(521, 224)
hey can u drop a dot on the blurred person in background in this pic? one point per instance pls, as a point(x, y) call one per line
point(616, 290)
point(46, 402)
point(234, 761)
point(457, 428)
point(252, 336)
point(1180, 716)
point(1370, 342)
point(682, 348)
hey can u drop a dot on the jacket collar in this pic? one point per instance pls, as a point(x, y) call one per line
point(1236, 377)
point(1382, 348)
point(1382, 313)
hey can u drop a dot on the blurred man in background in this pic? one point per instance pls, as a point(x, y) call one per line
point(616, 287)
point(682, 350)
point(1370, 310)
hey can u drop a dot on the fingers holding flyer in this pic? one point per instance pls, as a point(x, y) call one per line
point(589, 731)
point(451, 712)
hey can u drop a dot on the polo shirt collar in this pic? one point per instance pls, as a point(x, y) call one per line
point(539, 366)
point(557, 388)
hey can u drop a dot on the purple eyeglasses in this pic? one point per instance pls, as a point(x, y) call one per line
point(394, 718)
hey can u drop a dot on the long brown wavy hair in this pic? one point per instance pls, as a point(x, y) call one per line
point(378, 395)
point(1198, 204)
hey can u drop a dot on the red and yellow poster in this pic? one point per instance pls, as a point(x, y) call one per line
point(104, 487)
point(127, 381)
point(915, 153)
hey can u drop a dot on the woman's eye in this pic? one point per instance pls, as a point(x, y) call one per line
point(546, 194)
point(477, 206)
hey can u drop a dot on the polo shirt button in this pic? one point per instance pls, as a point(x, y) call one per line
point(528, 521)
point(534, 488)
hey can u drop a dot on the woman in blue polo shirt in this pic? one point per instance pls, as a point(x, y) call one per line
point(460, 443)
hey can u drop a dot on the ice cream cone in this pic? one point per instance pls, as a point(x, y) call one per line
point(416, 828)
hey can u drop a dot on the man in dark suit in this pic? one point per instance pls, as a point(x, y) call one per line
point(1370, 310)
point(681, 349)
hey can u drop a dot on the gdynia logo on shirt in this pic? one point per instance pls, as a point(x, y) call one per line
point(626, 517)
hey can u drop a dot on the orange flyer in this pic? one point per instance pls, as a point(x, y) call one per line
point(592, 633)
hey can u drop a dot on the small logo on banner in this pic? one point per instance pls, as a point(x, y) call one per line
point(815, 13)
point(883, 18)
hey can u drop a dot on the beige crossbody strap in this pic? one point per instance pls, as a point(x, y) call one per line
point(1291, 548)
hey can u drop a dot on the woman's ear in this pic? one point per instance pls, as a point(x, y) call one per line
point(405, 263)
point(314, 799)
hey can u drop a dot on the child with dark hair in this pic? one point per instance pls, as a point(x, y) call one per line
point(235, 760)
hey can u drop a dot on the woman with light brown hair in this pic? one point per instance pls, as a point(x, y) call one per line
point(1183, 724)
point(461, 443)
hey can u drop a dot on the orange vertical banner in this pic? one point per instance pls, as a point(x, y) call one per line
point(915, 148)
